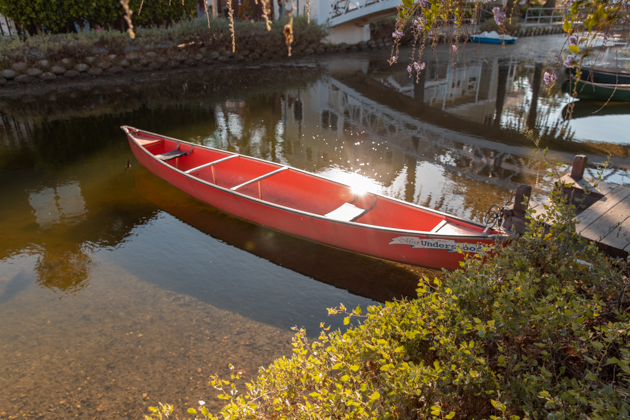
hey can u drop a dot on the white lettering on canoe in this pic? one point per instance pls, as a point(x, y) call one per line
point(437, 244)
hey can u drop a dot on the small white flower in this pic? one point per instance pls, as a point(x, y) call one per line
point(201, 402)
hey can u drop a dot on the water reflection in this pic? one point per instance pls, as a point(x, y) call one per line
point(142, 266)
point(367, 125)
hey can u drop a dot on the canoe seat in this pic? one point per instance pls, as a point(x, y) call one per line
point(173, 154)
point(346, 213)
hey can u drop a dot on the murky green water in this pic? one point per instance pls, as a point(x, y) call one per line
point(118, 291)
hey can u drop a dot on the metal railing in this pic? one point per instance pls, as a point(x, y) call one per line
point(544, 16)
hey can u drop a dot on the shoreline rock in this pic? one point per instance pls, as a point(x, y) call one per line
point(100, 63)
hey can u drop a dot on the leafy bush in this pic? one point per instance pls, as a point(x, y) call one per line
point(535, 328)
point(195, 32)
point(53, 16)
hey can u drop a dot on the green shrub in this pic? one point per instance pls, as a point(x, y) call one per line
point(537, 328)
point(194, 32)
point(53, 16)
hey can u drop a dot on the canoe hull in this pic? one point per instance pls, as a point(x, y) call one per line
point(417, 248)
point(602, 76)
point(599, 91)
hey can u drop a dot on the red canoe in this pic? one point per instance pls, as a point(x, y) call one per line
point(309, 206)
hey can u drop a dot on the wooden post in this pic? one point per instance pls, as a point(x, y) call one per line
point(523, 193)
point(579, 165)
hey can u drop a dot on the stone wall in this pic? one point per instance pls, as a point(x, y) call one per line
point(102, 63)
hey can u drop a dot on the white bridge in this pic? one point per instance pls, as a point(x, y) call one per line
point(360, 12)
point(348, 20)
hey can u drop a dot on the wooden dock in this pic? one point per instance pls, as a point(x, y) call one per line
point(603, 213)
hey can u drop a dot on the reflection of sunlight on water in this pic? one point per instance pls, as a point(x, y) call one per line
point(235, 125)
point(279, 130)
point(601, 128)
point(360, 184)
point(612, 175)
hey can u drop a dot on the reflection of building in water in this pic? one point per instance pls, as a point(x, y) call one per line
point(472, 88)
point(51, 205)
point(61, 219)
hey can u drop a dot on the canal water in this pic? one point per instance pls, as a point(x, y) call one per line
point(118, 291)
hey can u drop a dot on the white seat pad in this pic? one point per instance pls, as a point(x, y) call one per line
point(346, 212)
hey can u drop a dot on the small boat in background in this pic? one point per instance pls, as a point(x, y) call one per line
point(310, 206)
point(607, 92)
point(602, 75)
point(493, 38)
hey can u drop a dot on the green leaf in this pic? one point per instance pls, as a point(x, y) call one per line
point(450, 415)
point(499, 406)
point(591, 377)
point(375, 396)
point(192, 411)
point(574, 49)
point(567, 26)
point(344, 378)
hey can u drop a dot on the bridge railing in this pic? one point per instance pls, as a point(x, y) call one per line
point(361, 8)
point(544, 16)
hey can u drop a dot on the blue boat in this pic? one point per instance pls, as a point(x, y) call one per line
point(493, 38)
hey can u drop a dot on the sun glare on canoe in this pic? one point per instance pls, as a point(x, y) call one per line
point(360, 184)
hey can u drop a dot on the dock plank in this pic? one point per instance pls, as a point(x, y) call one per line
point(619, 237)
point(606, 229)
point(600, 210)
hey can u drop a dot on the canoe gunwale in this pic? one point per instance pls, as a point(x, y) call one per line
point(128, 130)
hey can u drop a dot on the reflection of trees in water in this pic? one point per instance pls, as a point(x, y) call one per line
point(535, 117)
point(65, 270)
point(502, 78)
point(82, 201)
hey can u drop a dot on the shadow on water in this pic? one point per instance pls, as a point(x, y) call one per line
point(365, 276)
point(16, 285)
point(588, 109)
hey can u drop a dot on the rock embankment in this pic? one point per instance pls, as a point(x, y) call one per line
point(103, 63)
point(100, 62)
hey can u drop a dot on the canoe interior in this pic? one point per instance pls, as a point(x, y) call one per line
point(299, 190)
